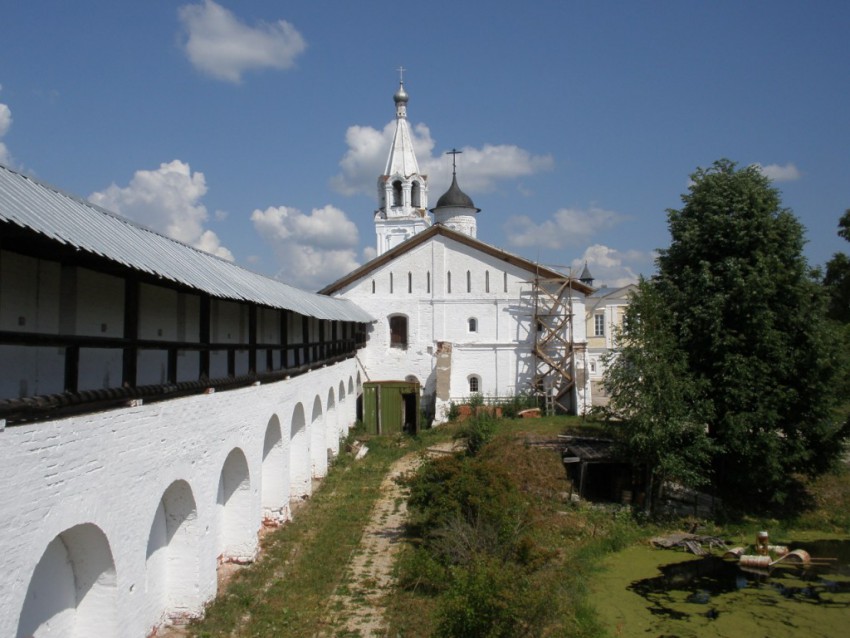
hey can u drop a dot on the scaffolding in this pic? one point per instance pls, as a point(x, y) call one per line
point(555, 350)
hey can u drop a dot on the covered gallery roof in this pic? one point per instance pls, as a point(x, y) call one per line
point(72, 221)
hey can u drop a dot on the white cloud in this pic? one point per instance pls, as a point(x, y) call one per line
point(5, 125)
point(566, 227)
point(313, 249)
point(166, 200)
point(369, 253)
point(479, 169)
point(777, 173)
point(222, 46)
point(613, 268)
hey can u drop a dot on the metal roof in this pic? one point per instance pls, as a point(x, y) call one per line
point(67, 219)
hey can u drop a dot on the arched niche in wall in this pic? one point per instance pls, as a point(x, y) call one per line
point(331, 424)
point(299, 454)
point(318, 449)
point(73, 590)
point(237, 529)
point(342, 411)
point(274, 492)
point(172, 558)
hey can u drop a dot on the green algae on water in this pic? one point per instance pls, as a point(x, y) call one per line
point(652, 593)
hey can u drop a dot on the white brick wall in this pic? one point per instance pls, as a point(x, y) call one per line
point(98, 496)
point(499, 352)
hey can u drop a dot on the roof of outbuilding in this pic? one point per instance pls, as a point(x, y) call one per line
point(69, 220)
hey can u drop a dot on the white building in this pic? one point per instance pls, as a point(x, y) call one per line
point(452, 312)
point(606, 308)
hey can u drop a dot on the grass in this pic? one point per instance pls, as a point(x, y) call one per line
point(303, 563)
point(286, 592)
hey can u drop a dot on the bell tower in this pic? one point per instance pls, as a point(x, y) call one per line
point(402, 189)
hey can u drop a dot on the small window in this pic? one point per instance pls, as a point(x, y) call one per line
point(428, 282)
point(592, 366)
point(373, 286)
point(398, 331)
point(391, 283)
point(473, 324)
point(474, 384)
point(506, 282)
point(448, 282)
point(486, 281)
point(599, 325)
point(410, 282)
point(468, 281)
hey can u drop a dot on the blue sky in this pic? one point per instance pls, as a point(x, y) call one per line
point(257, 129)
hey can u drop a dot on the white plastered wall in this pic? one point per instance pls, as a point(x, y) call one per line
point(498, 297)
point(109, 485)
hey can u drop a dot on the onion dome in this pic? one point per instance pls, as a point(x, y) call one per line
point(401, 96)
point(455, 198)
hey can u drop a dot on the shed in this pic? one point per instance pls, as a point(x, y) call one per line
point(390, 407)
point(600, 473)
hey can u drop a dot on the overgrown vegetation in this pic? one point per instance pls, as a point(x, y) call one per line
point(497, 548)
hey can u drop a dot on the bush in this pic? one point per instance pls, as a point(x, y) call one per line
point(517, 403)
point(478, 430)
point(489, 599)
point(418, 570)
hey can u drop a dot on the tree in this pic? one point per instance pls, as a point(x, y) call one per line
point(837, 278)
point(836, 281)
point(659, 405)
point(747, 319)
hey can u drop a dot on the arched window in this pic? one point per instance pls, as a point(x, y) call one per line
point(397, 193)
point(373, 286)
point(473, 324)
point(398, 331)
point(414, 195)
point(506, 282)
point(428, 282)
point(474, 383)
point(468, 281)
point(391, 283)
point(448, 281)
point(486, 281)
point(409, 282)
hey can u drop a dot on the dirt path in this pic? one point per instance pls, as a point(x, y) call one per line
point(356, 609)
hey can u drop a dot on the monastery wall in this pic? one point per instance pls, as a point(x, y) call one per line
point(115, 521)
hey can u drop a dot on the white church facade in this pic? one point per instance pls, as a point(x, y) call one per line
point(452, 312)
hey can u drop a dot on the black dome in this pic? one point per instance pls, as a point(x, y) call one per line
point(454, 198)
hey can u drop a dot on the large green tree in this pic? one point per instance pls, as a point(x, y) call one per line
point(658, 404)
point(748, 320)
point(837, 277)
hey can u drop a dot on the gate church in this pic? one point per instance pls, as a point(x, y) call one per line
point(158, 404)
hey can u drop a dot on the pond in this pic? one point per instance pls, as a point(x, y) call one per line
point(660, 593)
